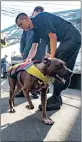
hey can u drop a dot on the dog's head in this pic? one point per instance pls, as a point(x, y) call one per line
point(57, 68)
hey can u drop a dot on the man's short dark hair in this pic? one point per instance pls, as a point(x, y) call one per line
point(38, 8)
point(20, 16)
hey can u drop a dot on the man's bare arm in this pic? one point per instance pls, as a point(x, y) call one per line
point(53, 43)
point(32, 51)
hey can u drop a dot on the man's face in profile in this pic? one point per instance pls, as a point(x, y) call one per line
point(24, 23)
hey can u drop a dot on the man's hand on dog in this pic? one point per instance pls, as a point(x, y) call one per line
point(47, 55)
point(27, 60)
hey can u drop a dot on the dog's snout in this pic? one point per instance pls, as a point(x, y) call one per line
point(70, 72)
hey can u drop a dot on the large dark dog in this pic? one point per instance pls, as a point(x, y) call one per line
point(53, 68)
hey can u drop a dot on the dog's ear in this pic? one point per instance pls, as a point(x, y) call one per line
point(46, 61)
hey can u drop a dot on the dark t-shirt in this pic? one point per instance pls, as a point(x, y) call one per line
point(44, 23)
point(26, 44)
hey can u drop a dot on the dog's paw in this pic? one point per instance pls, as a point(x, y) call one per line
point(12, 111)
point(30, 107)
point(48, 121)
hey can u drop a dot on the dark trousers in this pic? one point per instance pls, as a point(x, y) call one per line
point(3, 67)
point(67, 51)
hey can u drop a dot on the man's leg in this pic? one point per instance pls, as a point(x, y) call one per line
point(4, 69)
point(1, 67)
point(67, 51)
point(34, 94)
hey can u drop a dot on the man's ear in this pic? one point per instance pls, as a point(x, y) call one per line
point(46, 61)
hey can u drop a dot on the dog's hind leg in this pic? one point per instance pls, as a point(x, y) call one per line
point(12, 83)
point(26, 94)
point(24, 82)
point(18, 88)
point(44, 102)
point(11, 102)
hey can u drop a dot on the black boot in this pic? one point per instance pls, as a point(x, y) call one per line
point(20, 94)
point(53, 103)
point(35, 94)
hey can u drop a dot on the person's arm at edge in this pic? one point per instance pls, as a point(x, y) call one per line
point(22, 43)
point(53, 44)
point(32, 51)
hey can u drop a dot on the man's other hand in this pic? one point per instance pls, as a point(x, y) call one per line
point(47, 55)
point(28, 60)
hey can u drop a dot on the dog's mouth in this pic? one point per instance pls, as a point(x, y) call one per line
point(60, 79)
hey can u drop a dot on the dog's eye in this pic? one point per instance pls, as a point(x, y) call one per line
point(59, 66)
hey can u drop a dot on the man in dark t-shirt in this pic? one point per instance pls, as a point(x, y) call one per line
point(52, 28)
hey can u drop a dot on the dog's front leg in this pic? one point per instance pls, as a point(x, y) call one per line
point(26, 94)
point(44, 102)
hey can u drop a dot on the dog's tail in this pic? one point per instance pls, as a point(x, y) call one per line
point(19, 78)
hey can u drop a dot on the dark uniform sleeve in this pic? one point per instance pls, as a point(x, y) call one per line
point(22, 42)
point(48, 23)
point(29, 38)
point(49, 28)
